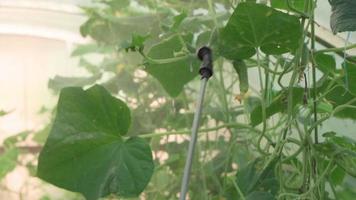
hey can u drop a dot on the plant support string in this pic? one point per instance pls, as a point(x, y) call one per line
point(206, 71)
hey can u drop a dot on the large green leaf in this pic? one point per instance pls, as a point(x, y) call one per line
point(172, 75)
point(254, 26)
point(8, 161)
point(343, 16)
point(85, 151)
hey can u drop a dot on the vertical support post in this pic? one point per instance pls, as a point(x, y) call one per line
point(206, 71)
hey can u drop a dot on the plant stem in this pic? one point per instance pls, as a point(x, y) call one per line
point(238, 190)
point(314, 78)
point(340, 49)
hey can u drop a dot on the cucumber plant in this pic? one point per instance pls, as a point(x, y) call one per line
point(261, 135)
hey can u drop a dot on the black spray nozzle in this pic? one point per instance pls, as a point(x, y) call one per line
point(206, 56)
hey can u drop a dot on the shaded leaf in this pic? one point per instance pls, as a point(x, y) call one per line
point(260, 196)
point(173, 75)
point(350, 66)
point(342, 150)
point(254, 177)
point(338, 96)
point(343, 15)
point(85, 151)
point(325, 63)
point(279, 104)
point(254, 26)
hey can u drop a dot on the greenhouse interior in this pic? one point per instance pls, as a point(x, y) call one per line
point(178, 99)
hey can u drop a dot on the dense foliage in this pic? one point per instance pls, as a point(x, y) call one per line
point(260, 136)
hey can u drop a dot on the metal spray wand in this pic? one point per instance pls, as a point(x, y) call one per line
point(206, 71)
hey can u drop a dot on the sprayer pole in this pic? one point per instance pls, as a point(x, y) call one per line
point(206, 71)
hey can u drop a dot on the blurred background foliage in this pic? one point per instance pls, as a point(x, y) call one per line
point(133, 48)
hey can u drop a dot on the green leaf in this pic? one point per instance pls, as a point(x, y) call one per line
point(325, 63)
point(254, 26)
point(136, 44)
point(2, 113)
point(260, 196)
point(113, 30)
point(11, 141)
point(337, 176)
point(279, 104)
point(254, 177)
point(350, 67)
point(92, 48)
point(177, 21)
point(59, 82)
point(296, 4)
point(338, 96)
point(324, 107)
point(117, 5)
point(85, 151)
point(175, 74)
point(8, 161)
point(342, 150)
point(343, 15)
point(241, 70)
